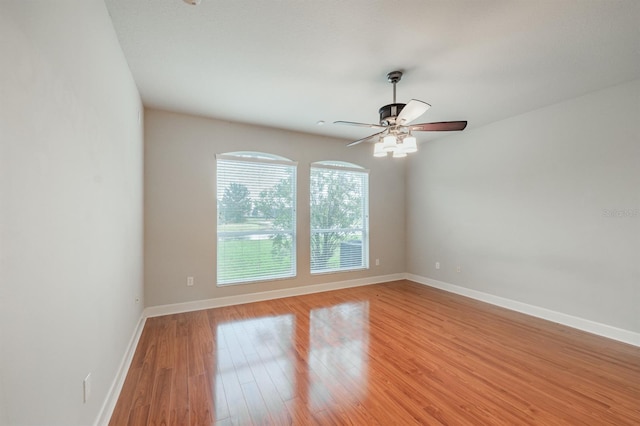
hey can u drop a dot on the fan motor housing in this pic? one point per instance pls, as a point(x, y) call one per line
point(388, 114)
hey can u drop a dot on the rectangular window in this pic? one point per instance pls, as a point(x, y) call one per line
point(256, 198)
point(339, 217)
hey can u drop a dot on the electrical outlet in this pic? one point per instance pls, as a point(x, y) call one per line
point(189, 281)
point(377, 262)
point(437, 265)
point(86, 388)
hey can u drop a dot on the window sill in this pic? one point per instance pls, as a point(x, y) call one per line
point(266, 280)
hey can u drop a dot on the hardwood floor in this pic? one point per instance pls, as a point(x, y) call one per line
point(391, 354)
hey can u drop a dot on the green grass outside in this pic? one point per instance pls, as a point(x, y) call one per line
point(243, 257)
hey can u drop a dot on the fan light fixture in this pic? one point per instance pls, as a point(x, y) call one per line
point(398, 144)
point(378, 151)
point(410, 144)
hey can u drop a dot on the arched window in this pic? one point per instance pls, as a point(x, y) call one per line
point(339, 197)
point(256, 199)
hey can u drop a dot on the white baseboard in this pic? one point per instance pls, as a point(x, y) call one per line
point(196, 305)
point(604, 330)
point(593, 327)
point(114, 391)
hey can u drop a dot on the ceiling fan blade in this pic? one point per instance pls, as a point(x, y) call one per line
point(411, 111)
point(365, 139)
point(442, 126)
point(351, 123)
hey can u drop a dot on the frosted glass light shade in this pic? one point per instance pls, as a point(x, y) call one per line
point(389, 143)
point(378, 151)
point(409, 144)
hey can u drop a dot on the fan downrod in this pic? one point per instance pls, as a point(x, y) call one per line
point(388, 113)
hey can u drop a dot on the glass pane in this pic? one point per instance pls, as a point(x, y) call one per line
point(256, 220)
point(338, 220)
point(332, 251)
point(254, 257)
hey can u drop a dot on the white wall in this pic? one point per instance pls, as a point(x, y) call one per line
point(70, 209)
point(180, 203)
point(3, 416)
point(523, 206)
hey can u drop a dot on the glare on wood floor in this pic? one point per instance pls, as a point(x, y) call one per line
point(390, 354)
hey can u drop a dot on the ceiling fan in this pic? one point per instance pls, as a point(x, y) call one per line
point(395, 125)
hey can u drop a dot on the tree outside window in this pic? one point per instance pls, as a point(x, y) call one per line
point(339, 217)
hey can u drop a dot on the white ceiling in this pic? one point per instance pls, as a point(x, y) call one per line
point(290, 63)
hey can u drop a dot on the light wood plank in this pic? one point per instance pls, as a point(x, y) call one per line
point(394, 353)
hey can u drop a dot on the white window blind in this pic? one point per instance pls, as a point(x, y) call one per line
point(339, 211)
point(256, 198)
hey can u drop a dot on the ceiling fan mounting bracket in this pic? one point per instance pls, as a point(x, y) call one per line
point(394, 76)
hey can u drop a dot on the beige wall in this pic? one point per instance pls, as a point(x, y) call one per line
point(180, 206)
point(528, 208)
point(70, 210)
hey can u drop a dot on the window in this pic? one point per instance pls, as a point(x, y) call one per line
point(256, 197)
point(339, 217)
